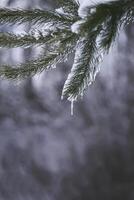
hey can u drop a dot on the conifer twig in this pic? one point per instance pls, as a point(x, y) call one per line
point(44, 62)
point(10, 40)
point(84, 69)
point(35, 16)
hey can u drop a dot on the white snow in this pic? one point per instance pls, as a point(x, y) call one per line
point(60, 10)
point(82, 11)
point(76, 25)
point(87, 3)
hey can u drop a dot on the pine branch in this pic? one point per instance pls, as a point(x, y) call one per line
point(95, 36)
point(84, 68)
point(100, 31)
point(66, 46)
point(10, 40)
point(109, 33)
point(35, 16)
point(98, 14)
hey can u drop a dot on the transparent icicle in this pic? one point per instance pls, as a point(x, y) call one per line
point(72, 107)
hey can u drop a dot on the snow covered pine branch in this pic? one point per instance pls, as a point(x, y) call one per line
point(87, 28)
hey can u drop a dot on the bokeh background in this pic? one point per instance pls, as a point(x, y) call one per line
point(45, 153)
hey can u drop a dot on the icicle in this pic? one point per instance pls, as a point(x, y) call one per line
point(72, 107)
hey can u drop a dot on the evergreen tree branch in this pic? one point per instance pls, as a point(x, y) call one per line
point(48, 61)
point(9, 40)
point(109, 33)
point(95, 36)
point(35, 16)
point(104, 22)
point(84, 68)
point(98, 14)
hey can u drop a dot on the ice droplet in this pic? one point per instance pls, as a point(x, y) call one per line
point(62, 97)
point(81, 95)
point(72, 107)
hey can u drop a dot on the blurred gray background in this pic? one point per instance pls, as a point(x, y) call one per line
point(46, 154)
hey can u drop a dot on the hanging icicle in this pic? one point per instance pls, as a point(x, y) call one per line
point(72, 107)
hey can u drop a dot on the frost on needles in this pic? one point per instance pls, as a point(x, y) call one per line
point(88, 31)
